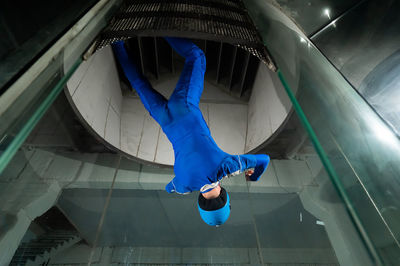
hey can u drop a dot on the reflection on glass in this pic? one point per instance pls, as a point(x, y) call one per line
point(313, 15)
point(112, 210)
point(363, 167)
point(26, 100)
point(376, 77)
point(293, 215)
point(28, 33)
point(31, 228)
point(120, 212)
point(268, 224)
point(327, 12)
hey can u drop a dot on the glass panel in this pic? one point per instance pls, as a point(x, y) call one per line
point(357, 148)
point(24, 103)
point(47, 163)
point(269, 223)
point(113, 210)
point(376, 77)
point(315, 14)
point(25, 34)
point(121, 213)
point(291, 216)
point(21, 117)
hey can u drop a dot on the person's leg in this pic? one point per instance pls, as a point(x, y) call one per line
point(152, 100)
point(191, 82)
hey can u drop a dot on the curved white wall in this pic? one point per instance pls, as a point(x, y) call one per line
point(123, 122)
point(268, 107)
point(95, 90)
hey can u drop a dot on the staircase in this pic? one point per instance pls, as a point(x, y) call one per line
point(40, 250)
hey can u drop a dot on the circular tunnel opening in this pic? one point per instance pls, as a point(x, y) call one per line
point(242, 101)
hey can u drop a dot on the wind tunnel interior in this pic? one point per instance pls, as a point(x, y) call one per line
point(243, 101)
point(116, 202)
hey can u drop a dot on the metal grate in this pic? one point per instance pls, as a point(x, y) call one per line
point(217, 20)
point(229, 67)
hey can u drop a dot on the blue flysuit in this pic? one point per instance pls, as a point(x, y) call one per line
point(199, 163)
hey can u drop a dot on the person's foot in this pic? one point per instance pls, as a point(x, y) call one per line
point(119, 43)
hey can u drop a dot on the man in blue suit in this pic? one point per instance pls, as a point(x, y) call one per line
point(200, 164)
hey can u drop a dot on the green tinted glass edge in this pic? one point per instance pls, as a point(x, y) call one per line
point(329, 169)
point(12, 148)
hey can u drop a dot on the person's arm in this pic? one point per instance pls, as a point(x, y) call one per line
point(254, 165)
point(175, 187)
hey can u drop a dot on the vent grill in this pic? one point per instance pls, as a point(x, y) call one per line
point(217, 20)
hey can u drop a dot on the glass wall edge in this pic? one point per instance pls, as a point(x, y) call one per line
point(12, 148)
point(63, 57)
point(22, 83)
point(363, 151)
point(329, 168)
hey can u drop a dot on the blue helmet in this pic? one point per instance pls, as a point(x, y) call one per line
point(216, 211)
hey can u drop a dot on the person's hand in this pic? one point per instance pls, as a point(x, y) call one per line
point(248, 173)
